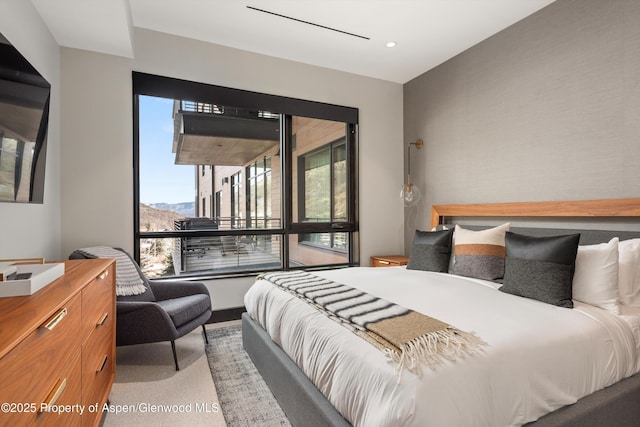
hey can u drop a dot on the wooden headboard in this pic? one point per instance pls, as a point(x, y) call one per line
point(571, 208)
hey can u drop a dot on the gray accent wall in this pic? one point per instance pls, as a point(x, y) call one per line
point(548, 109)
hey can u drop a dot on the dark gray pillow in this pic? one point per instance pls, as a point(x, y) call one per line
point(541, 268)
point(431, 251)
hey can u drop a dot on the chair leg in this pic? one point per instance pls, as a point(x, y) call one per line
point(175, 357)
point(204, 331)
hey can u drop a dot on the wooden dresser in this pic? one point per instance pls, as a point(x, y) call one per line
point(57, 349)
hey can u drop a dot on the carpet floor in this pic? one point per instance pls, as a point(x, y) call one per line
point(245, 398)
point(148, 391)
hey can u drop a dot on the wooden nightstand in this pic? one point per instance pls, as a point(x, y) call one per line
point(388, 260)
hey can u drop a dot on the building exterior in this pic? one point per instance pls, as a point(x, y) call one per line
point(236, 155)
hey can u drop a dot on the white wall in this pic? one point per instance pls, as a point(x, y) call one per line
point(97, 178)
point(34, 230)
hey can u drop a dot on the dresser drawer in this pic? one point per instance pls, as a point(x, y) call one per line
point(62, 393)
point(98, 366)
point(65, 394)
point(97, 302)
point(46, 363)
point(32, 368)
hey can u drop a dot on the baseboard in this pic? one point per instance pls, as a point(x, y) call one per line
point(227, 314)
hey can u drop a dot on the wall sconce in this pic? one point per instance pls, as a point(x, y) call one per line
point(410, 193)
point(225, 180)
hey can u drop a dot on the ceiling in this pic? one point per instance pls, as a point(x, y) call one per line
point(345, 35)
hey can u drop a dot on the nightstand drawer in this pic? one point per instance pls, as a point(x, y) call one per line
point(388, 260)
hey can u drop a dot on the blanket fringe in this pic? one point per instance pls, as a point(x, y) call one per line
point(128, 290)
point(433, 349)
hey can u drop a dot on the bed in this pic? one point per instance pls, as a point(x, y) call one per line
point(581, 364)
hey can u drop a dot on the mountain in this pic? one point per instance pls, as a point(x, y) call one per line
point(186, 209)
point(159, 219)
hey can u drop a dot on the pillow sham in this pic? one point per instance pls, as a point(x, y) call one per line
point(541, 268)
point(431, 251)
point(629, 272)
point(479, 254)
point(595, 280)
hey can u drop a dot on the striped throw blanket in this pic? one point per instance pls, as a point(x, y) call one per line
point(408, 338)
point(128, 281)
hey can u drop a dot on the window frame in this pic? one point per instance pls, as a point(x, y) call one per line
point(302, 181)
point(166, 87)
point(302, 214)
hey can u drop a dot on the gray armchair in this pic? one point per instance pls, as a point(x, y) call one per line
point(166, 311)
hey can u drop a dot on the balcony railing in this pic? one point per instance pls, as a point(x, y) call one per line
point(225, 253)
point(205, 246)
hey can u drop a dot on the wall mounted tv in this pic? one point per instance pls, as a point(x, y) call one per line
point(24, 116)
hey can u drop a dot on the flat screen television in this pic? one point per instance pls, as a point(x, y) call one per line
point(24, 117)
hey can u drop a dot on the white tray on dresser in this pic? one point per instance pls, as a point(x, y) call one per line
point(41, 276)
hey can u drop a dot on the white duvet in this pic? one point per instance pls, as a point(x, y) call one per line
point(539, 357)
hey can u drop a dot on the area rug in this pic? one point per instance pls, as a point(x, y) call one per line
point(244, 397)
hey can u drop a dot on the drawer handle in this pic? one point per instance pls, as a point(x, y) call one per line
point(103, 275)
point(381, 261)
point(104, 362)
point(56, 319)
point(53, 396)
point(102, 319)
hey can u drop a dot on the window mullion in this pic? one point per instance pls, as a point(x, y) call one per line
point(286, 185)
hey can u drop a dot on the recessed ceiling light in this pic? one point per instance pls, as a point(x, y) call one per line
point(391, 44)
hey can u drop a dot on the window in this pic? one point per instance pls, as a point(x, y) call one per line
point(280, 178)
point(323, 187)
point(323, 184)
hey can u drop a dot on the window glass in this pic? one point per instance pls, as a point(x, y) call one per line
point(166, 189)
point(323, 187)
point(215, 196)
point(316, 181)
point(339, 184)
point(165, 257)
point(312, 249)
point(321, 171)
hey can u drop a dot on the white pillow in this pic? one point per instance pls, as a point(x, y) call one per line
point(629, 274)
point(595, 280)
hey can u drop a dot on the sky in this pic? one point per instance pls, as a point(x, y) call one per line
point(161, 181)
